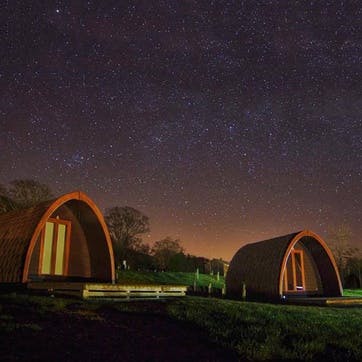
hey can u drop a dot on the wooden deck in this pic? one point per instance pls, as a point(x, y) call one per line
point(325, 302)
point(108, 290)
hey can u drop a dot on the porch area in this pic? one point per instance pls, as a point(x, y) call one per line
point(108, 290)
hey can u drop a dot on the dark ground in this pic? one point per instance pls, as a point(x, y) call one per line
point(78, 334)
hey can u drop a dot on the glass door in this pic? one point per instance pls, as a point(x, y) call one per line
point(294, 278)
point(54, 247)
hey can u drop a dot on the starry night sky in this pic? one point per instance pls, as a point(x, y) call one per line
point(225, 122)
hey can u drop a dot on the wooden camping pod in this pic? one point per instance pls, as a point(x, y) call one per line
point(298, 264)
point(85, 244)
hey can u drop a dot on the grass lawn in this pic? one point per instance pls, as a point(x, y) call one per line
point(44, 328)
point(170, 278)
point(245, 330)
point(265, 331)
point(352, 293)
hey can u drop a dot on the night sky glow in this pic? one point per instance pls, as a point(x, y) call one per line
point(225, 122)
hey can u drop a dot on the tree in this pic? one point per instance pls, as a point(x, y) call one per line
point(6, 204)
point(215, 266)
point(164, 250)
point(353, 273)
point(26, 193)
point(125, 225)
point(179, 263)
point(137, 260)
point(23, 194)
point(342, 249)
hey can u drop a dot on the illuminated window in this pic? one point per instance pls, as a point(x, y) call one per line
point(294, 278)
point(54, 247)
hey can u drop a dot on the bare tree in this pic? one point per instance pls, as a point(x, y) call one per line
point(164, 250)
point(6, 204)
point(26, 193)
point(126, 224)
point(23, 194)
point(343, 251)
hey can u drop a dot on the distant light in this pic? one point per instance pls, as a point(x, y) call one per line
point(57, 11)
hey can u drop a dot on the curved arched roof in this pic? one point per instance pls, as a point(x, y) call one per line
point(20, 230)
point(260, 266)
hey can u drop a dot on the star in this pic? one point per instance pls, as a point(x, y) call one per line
point(223, 122)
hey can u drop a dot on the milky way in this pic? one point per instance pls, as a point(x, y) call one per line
point(224, 121)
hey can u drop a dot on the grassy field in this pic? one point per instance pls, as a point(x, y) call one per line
point(170, 278)
point(252, 331)
point(352, 293)
point(259, 331)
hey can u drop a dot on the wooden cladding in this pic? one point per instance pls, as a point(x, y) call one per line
point(85, 252)
point(54, 247)
point(275, 269)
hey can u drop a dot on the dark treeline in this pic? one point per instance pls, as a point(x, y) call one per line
point(179, 262)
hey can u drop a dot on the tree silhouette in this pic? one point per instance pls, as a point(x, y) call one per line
point(343, 251)
point(22, 194)
point(125, 225)
point(164, 250)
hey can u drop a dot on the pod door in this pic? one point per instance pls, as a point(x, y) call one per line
point(54, 247)
point(294, 276)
